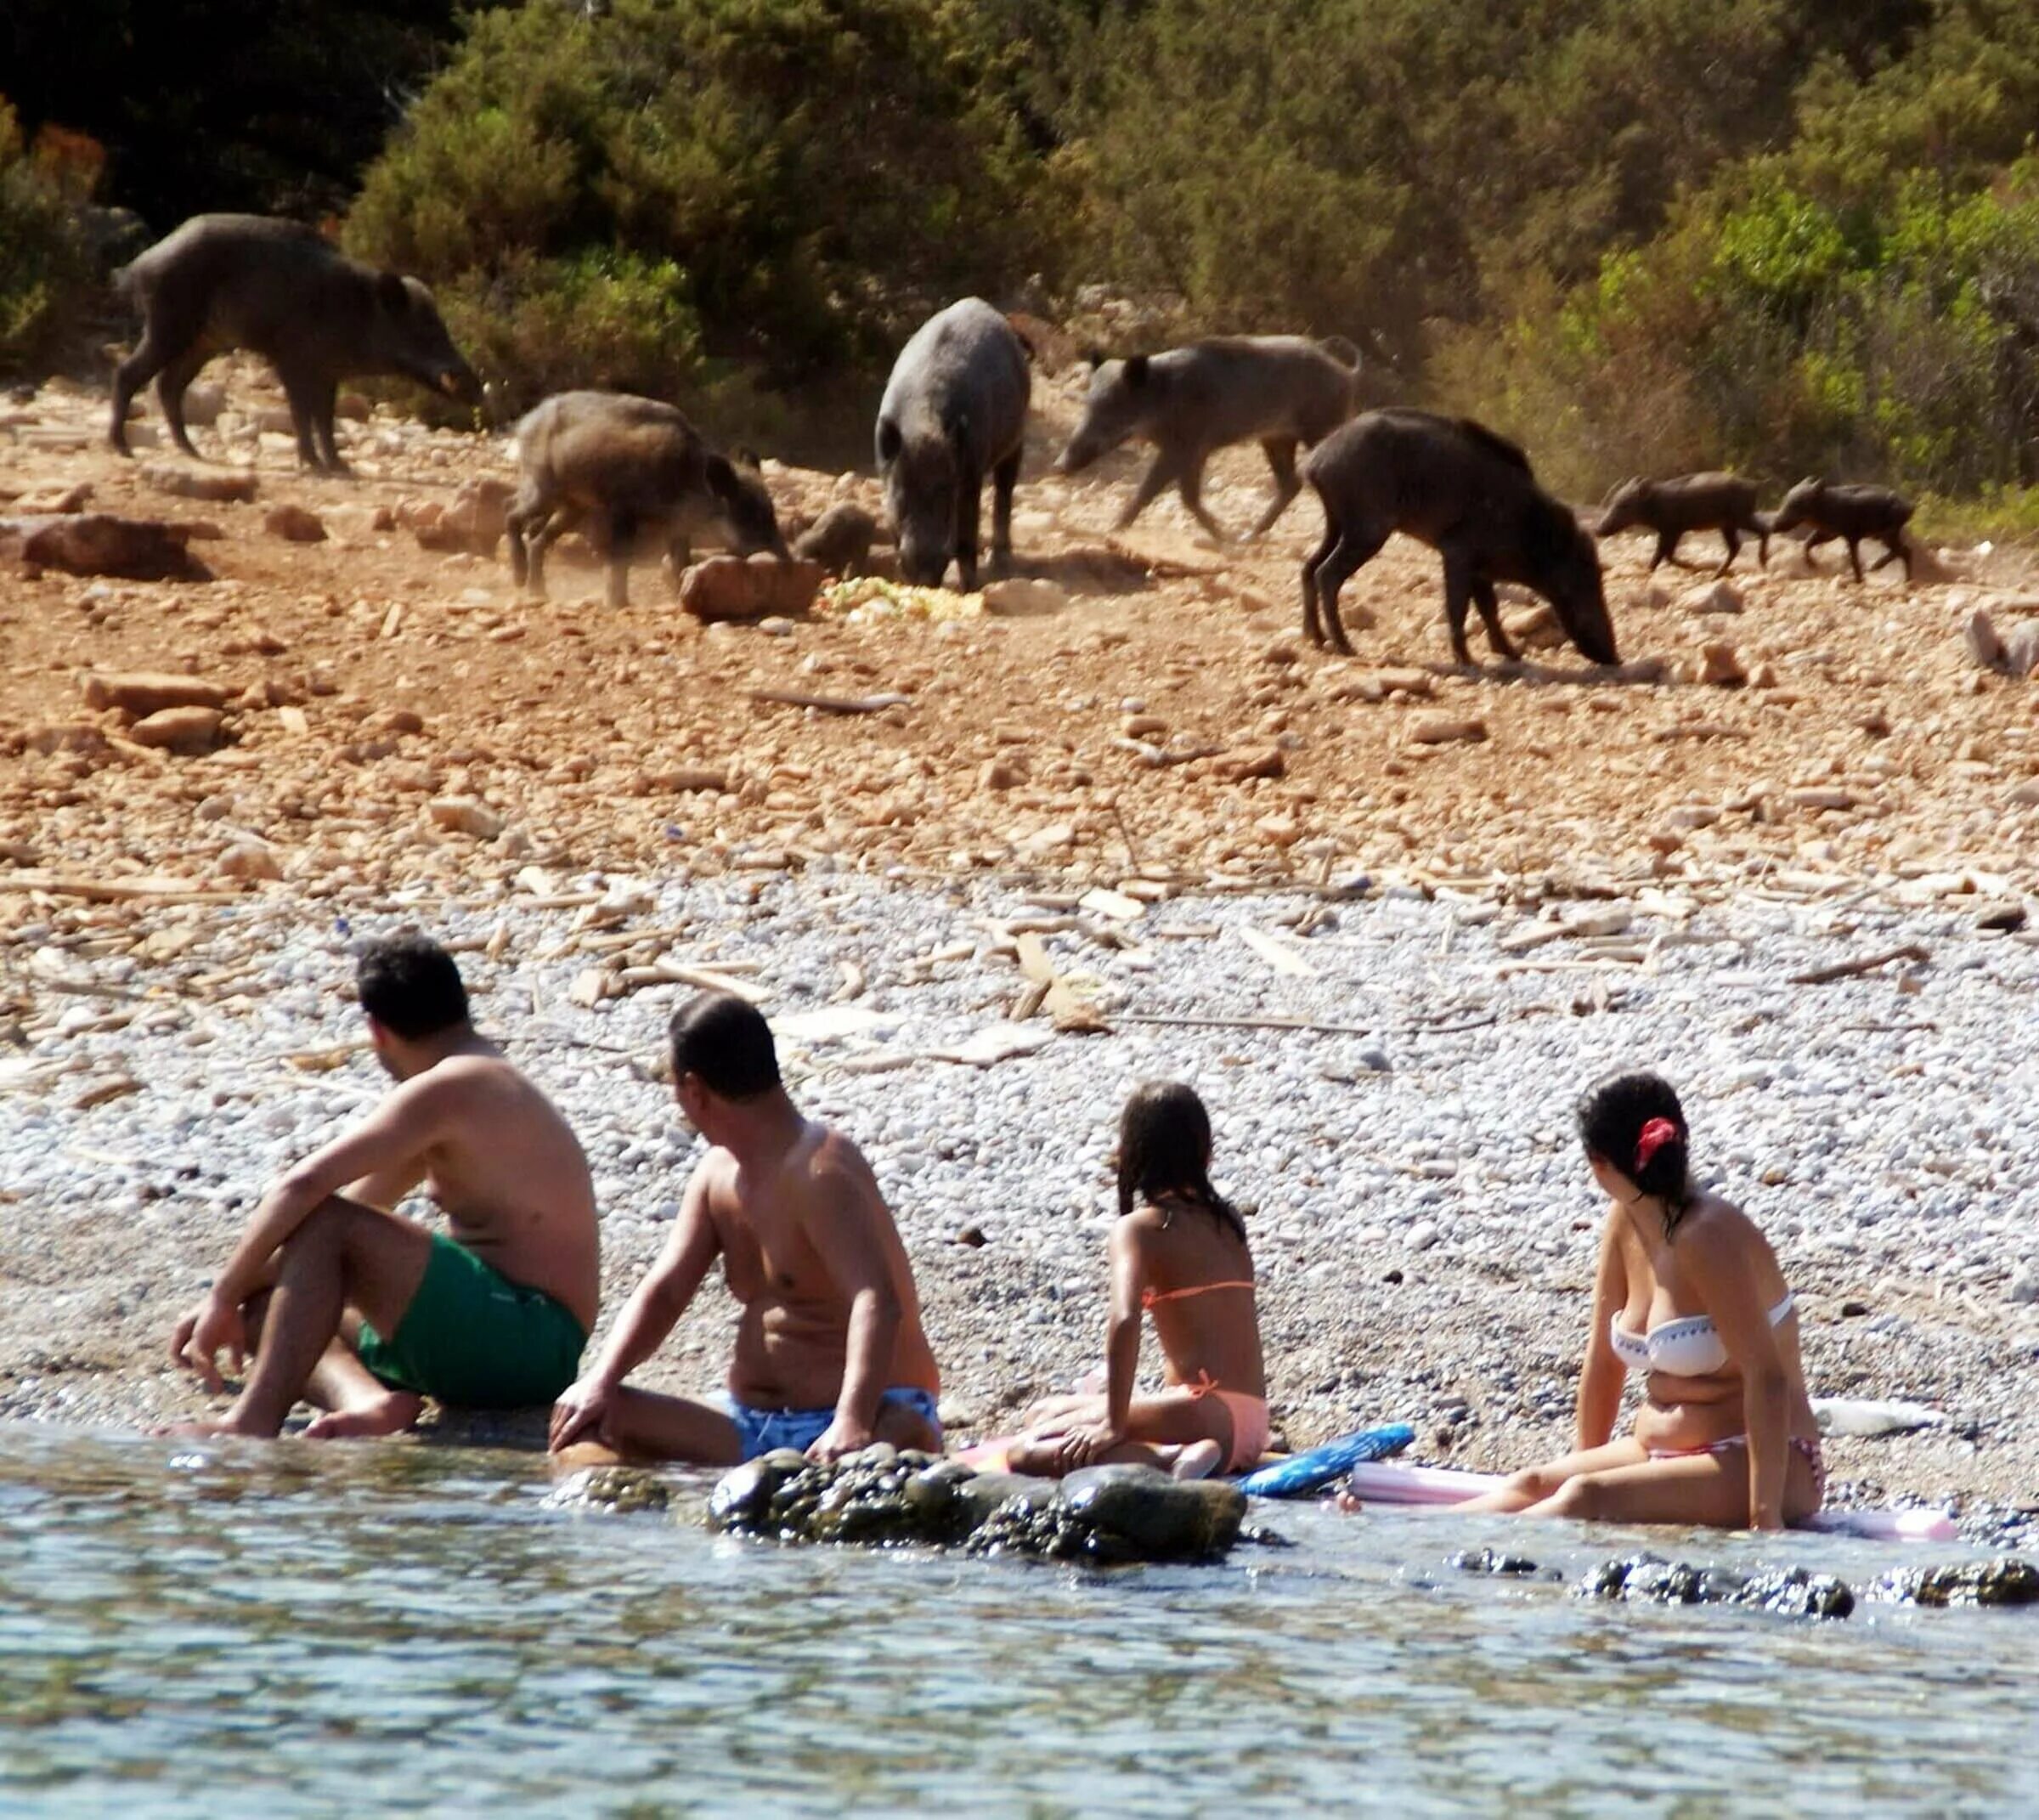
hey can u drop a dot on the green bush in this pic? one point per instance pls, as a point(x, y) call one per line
point(44, 269)
point(705, 198)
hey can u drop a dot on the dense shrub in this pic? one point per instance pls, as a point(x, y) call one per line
point(671, 193)
point(44, 267)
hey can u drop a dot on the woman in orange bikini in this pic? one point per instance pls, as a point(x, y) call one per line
point(1689, 1294)
point(1179, 1252)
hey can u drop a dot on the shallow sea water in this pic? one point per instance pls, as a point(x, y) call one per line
point(408, 1629)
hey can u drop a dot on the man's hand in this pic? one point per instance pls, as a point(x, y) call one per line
point(841, 1437)
point(1083, 1443)
point(201, 1335)
point(581, 1406)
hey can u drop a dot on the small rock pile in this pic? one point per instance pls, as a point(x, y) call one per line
point(885, 1498)
point(1793, 1593)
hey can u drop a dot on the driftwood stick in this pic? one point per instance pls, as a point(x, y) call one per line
point(832, 703)
point(1856, 969)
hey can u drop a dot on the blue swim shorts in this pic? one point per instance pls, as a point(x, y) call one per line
point(760, 1431)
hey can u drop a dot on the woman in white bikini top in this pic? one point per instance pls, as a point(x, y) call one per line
point(1689, 1294)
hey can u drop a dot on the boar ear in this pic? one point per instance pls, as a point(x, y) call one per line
point(1136, 369)
point(889, 441)
point(391, 293)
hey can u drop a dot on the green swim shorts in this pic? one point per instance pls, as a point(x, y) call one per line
point(474, 1338)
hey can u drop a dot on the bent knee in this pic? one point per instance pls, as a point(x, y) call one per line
point(1576, 1497)
point(1533, 1483)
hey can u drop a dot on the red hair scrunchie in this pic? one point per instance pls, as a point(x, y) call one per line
point(1652, 1139)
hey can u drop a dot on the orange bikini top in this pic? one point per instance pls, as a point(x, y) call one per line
point(1150, 1297)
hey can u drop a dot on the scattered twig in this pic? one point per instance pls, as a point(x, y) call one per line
point(832, 703)
point(1187, 1022)
point(1856, 969)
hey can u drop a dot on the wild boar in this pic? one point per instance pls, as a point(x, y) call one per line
point(839, 539)
point(1851, 513)
point(954, 410)
point(281, 291)
point(1281, 391)
point(1693, 502)
point(1470, 495)
point(638, 477)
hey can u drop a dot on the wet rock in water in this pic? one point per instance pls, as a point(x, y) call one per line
point(1489, 1561)
point(2006, 1581)
point(621, 1489)
point(1788, 1591)
point(884, 1498)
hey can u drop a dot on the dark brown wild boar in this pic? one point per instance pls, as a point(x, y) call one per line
point(1693, 502)
point(1277, 390)
point(1469, 495)
point(636, 476)
point(280, 290)
point(1850, 513)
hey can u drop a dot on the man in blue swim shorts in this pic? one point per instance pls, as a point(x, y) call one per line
point(830, 1353)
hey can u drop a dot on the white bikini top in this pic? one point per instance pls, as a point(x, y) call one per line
point(1689, 1346)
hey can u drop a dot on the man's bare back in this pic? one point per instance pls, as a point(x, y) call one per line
point(789, 1352)
point(830, 1352)
point(512, 1179)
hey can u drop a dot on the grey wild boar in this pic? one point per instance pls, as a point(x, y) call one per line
point(1281, 391)
point(1470, 495)
point(277, 289)
point(839, 539)
point(1850, 513)
point(637, 477)
point(954, 410)
point(1693, 502)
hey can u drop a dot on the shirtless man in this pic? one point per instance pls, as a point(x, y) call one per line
point(830, 1356)
point(365, 1314)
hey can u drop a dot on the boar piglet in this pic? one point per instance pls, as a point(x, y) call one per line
point(1277, 390)
point(638, 478)
point(1692, 502)
point(1470, 495)
point(1850, 513)
point(954, 410)
point(279, 289)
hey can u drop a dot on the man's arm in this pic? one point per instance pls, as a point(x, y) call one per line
point(659, 1301)
point(847, 1220)
point(393, 1140)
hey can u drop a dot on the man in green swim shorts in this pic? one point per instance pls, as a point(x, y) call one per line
point(363, 1314)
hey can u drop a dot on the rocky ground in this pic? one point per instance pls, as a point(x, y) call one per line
point(1155, 803)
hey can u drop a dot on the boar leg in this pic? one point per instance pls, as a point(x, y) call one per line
point(1810, 542)
point(299, 392)
point(1490, 617)
point(1312, 628)
point(1666, 550)
point(1854, 557)
point(1004, 477)
point(560, 520)
point(1190, 483)
point(1159, 473)
point(1280, 451)
point(1732, 538)
point(325, 399)
point(1351, 551)
point(1895, 550)
point(525, 508)
point(141, 366)
point(969, 516)
point(170, 386)
point(1762, 531)
point(1458, 597)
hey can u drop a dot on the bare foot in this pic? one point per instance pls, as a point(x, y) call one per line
point(1198, 1460)
point(390, 1413)
point(202, 1431)
point(1349, 1504)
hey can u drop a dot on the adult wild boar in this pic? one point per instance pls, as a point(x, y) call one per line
point(954, 410)
point(1693, 502)
point(1277, 390)
point(1470, 495)
point(1850, 513)
point(638, 477)
point(281, 291)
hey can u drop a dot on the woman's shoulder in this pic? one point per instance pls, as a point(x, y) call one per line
point(1713, 1220)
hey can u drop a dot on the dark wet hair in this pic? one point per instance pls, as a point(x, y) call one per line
point(1614, 1121)
point(409, 985)
point(1165, 1147)
point(725, 1042)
